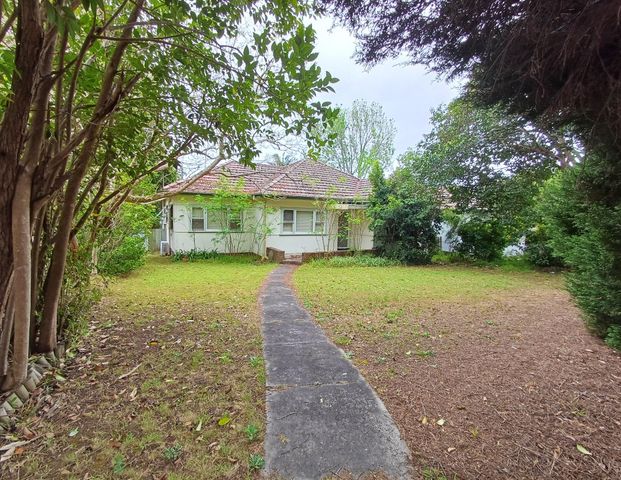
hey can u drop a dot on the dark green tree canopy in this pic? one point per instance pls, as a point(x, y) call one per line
point(489, 162)
point(557, 58)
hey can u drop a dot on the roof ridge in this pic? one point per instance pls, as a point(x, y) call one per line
point(350, 175)
point(279, 176)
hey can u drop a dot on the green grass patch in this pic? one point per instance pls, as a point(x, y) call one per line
point(191, 331)
point(397, 289)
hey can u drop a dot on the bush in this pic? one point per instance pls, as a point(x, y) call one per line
point(538, 249)
point(128, 256)
point(193, 255)
point(613, 336)
point(404, 219)
point(356, 261)
point(477, 236)
point(586, 234)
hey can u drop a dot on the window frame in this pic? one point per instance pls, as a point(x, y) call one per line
point(192, 207)
point(316, 215)
point(206, 228)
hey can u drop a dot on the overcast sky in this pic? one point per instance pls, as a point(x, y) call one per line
point(407, 93)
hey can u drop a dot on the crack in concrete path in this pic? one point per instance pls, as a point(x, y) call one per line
point(322, 415)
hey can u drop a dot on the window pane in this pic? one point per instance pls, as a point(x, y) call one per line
point(287, 216)
point(235, 221)
point(215, 219)
point(198, 219)
point(287, 227)
point(304, 222)
point(319, 221)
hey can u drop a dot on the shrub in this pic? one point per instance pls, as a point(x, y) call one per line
point(587, 236)
point(128, 256)
point(193, 255)
point(404, 219)
point(538, 249)
point(477, 236)
point(613, 336)
point(356, 261)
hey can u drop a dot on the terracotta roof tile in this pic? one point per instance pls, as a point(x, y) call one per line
point(303, 179)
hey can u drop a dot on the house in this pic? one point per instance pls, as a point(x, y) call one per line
point(299, 208)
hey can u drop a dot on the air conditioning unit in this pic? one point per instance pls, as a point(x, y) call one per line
point(164, 248)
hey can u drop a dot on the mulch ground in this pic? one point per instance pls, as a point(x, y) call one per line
point(515, 388)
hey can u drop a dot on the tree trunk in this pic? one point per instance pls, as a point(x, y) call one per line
point(49, 322)
point(6, 312)
point(29, 42)
point(21, 281)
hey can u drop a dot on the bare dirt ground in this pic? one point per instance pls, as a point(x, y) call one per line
point(506, 385)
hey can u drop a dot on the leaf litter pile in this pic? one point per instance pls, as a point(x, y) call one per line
point(488, 374)
point(168, 384)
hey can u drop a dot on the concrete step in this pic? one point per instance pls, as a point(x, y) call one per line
point(292, 259)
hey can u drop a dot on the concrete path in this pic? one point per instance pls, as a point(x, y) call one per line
point(322, 416)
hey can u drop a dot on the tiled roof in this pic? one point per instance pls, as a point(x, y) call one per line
point(303, 179)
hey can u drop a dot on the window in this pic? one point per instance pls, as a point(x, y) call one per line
point(235, 220)
point(288, 217)
point(215, 219)
point(198, 219)
point(218, 219)
point(302, 221)
point(320, 221)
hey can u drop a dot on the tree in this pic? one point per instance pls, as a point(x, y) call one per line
point(491, 163)
point(555, 61)
point(96, 97)
point(555, 58)
point(404, 217)
point(575, 227)
point(359, 137)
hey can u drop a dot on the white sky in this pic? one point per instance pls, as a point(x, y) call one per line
point(406, 92)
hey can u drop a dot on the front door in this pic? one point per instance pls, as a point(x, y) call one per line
point(343, 232)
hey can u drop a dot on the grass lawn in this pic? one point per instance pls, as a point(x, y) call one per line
point(488, 373)
point(169, 384)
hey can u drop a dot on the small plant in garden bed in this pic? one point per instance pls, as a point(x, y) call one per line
point(356, 261)
point(256, 361)
point(118, 464)
point(193, 255)
point(424, 353)
point(257, 462)
point(342, 340)
point(252, 432)
point(173, 452)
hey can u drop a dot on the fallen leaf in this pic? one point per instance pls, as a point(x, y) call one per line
point(132, 395)
point(74, 432)
point(27, 433)
point(424, 421)
point(441, 422)
point(199, 426)
point(11, 448)
point(125, 375)
point(224, 420)
point(582, 450)
point(451, 449)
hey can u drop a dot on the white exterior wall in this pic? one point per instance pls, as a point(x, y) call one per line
point(183, 238)
point(267, 212)
point(361, 238)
